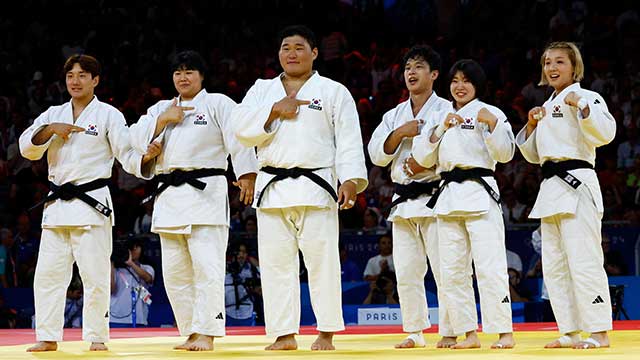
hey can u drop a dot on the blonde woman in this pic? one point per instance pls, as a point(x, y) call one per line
point(562, 136)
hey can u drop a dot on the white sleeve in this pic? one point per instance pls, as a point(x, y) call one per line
point(28, 149)
point(151, 271)
point(249, 117)
point(528, 147)
point(142, 131)
point(376, 145)
point(424, 151)
point(600, 127)
point(120, 141)
point(350, 163)
point(500, 142)
point(243, 158)
point(368, 269)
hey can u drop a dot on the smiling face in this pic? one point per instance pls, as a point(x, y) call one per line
point(558, 69)
point(296, 56)
point(187, 82)
point(418, 76)
point(462, 90)
point(80, 83)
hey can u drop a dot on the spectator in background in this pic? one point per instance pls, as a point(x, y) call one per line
point(7, 315)
point(350, 271)
point(26, 250)
point(6, 242)
point(142, 225)
point(8, 275)
point(372, 222)
point(382, 291)
point(629, 150)
point(614, 263)
point(381, 263)
point(514, 269)
point(513, 211)
point(243, 292)
point(73, 304)
point(130, 279)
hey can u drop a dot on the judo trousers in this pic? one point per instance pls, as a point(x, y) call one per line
point(281, 233)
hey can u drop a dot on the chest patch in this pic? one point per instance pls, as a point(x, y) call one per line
point(201, 119)
point(557, 111)
point(468, 124)
point(91, 130)
point(316, 104)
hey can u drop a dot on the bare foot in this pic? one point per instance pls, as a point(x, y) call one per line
point(471, 342)
point(98, 346)
point(564, 341)
point(405, 344)
point(44, 346)
point(185, 345)
point(285, 342)
point(600, 337)
point(324, 341)
point(505, 341)
point(446, 342)
point(412, 341)
point(201, 343)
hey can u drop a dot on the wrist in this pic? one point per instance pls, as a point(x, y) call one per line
point(582, 104)
point(439, 131)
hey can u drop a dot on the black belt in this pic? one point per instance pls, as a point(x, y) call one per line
point(461, 175)
point(561, 170)
point(412, 191)
point(296, 172)
point(70, 191)
point(179, 177)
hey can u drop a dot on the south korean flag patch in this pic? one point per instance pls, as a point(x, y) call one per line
point(200, 119)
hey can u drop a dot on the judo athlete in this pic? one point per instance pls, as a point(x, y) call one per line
point(414, 226)
point(562, 136)
point(191, 209)
point(307, 134)
point(81, 139)
point(465, 144)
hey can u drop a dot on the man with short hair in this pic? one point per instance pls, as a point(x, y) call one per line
point(81, 138)
point(307, 134)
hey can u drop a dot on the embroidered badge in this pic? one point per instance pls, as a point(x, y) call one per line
point(468, 124)
point(557, 111)
point(316, 104)
point(201, 119)
point(91, 130)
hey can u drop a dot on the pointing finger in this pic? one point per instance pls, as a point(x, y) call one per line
point(77, 129)
point(303, 102)
point(186, 108)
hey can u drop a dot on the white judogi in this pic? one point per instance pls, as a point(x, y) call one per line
point(414, 226)
point(72, 230)
point(193, 224)
point(469, 221)
point(571, 218)
point(297, 213)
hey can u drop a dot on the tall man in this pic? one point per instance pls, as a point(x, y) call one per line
point(414, 226)
point(191, 210)
point(81, 139)
point(307, 134)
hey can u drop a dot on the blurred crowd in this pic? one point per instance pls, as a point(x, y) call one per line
point(361, 44)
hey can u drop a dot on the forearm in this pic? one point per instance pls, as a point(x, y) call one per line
point(392, 142)
point(42, 136)
point(144, 275)
point(273, 115)
point(160, 125)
